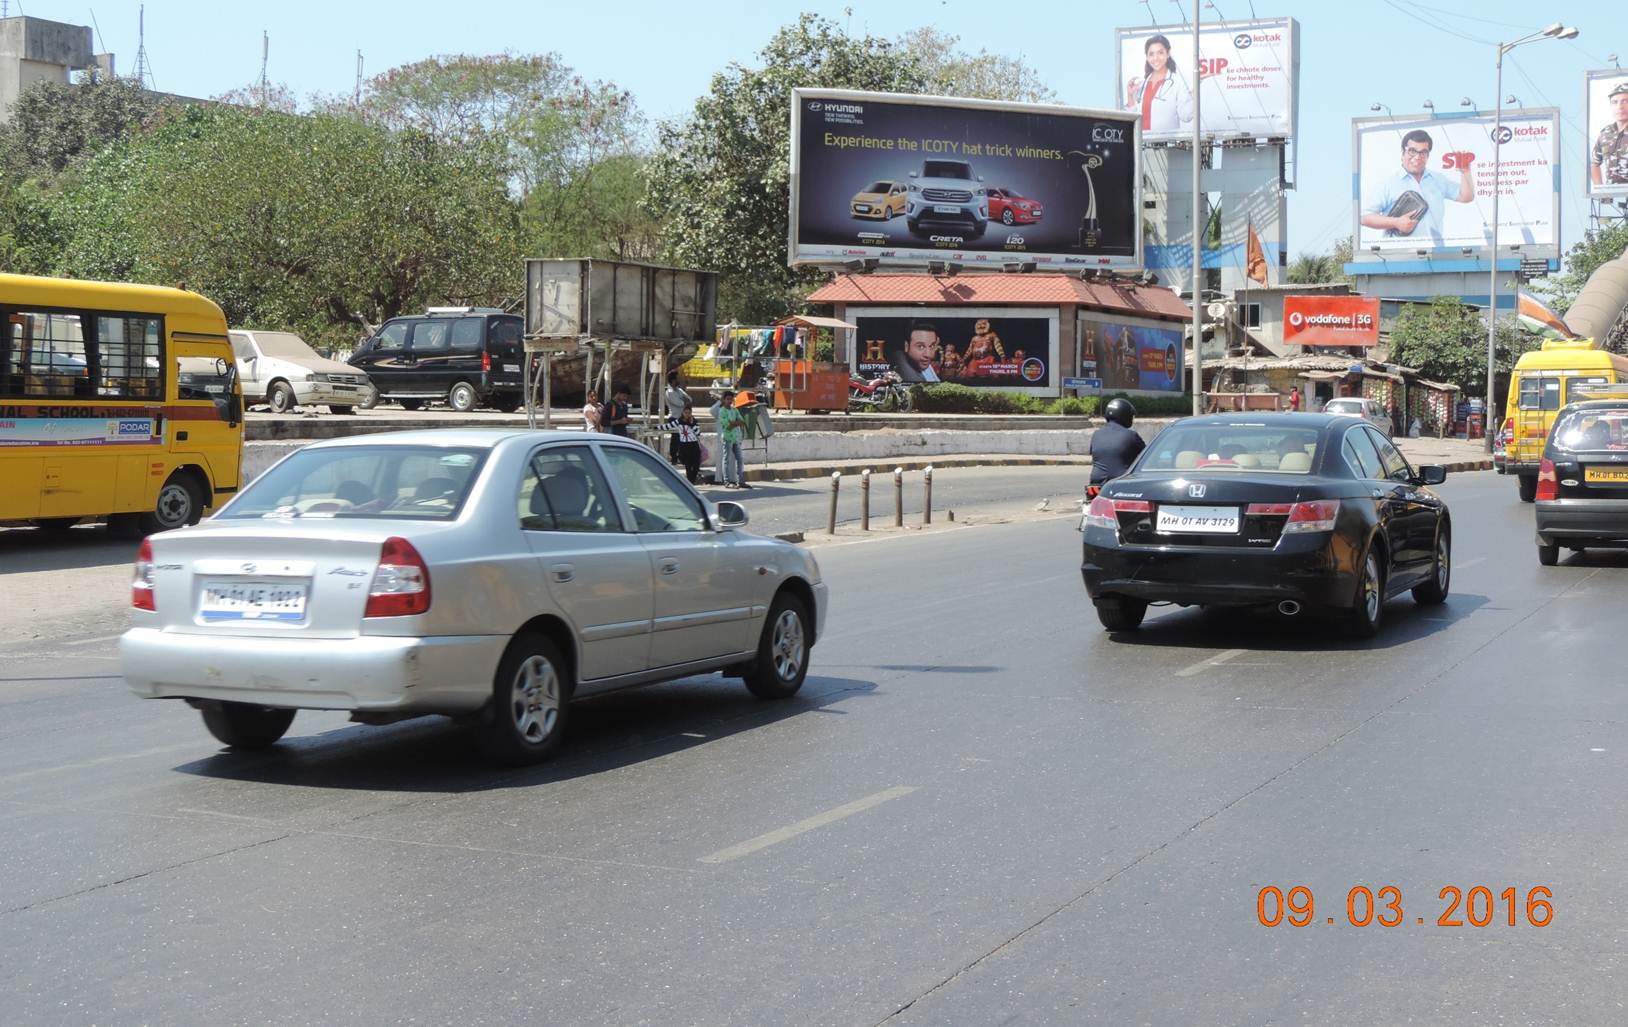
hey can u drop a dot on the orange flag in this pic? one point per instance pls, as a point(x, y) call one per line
point(1255, 266)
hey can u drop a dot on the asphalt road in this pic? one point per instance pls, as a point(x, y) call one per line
point(980, 809)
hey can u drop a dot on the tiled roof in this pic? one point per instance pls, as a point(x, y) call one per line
point(980, 290)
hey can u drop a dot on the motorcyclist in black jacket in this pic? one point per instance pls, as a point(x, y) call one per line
point(1114, 446)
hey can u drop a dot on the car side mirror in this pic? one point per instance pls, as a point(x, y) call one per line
point(732, 515)
point(1432, 474)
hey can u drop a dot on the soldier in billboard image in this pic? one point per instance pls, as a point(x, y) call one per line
point(1410, 202)
point(1159, 93)
point(1608, 165)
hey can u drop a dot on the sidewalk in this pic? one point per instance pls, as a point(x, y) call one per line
point(1457, 455)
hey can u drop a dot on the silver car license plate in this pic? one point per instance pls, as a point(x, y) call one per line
point(253, 600)
point(1203, 520)
point(943, 208)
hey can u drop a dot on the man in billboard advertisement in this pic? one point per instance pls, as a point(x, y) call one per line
point(912, 180)
point(1131, 355)
point(1426, 183)
point(1607, 117)
point(1411, 201)
point(1247, 73)
point(982, 351)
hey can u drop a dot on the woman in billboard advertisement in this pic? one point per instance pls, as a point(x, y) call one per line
point(1160, 94)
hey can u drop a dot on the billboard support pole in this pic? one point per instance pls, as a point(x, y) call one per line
point(1198, 239)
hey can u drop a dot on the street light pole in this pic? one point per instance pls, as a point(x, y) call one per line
point(1198, 238)
point(1556, 31)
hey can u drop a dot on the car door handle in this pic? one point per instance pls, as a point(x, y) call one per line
point(562, 572)
point(669, 565)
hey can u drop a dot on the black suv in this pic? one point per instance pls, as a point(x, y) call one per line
point(467, 356)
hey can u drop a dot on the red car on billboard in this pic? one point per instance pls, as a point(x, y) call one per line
point(1009, 208)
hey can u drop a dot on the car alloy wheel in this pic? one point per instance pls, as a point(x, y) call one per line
point(782, 651)
point(1435, 590)
point(534, 700)
point(787, 645)
point(1006, 217)
point(1370, 599)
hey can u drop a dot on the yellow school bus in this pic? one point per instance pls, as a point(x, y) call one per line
point(116, 401)
point(1544, 381)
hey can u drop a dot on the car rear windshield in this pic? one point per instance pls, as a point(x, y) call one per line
point(1340, 406)
point(1232, 447)
point(419, 483)
point(1583, 431)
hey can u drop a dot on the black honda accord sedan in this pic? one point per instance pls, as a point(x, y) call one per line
point(1294, 511)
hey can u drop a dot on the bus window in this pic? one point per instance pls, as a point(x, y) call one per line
point(130, 348)
point(1539, 393)
point(206, 378)
point(45, 355)
point(1578, 386)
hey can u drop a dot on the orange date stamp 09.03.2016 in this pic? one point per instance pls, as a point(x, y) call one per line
point(1479, 906)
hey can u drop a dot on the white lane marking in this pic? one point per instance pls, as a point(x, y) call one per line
point(1471, 562)
point(1215, 661)
point(830, 816)
point(93, 641)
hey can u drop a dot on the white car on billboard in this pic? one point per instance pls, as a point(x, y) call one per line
point(946, 192)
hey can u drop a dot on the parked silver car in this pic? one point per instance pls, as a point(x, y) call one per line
point(483, 574)
point(1367, 409)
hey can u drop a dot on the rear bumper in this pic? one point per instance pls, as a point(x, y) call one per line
point(1304, 570)
point(1527, 467)
point(446, 674)
point(1601, 521)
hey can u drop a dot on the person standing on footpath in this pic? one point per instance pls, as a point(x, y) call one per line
point(677, 400)
point(1294, 400)
point(593, 415)
point(689, 444)
point(618, 415)
point(731, 430)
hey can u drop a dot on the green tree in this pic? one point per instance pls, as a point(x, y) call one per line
point(720, 177)
point(1318, 268)
point(1446, 341)
point(951, 71)
point(54, 124)
point(1581, 261)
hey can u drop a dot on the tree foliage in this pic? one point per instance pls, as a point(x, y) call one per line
point(951, 71)
point(1320, 268)
point(1581, 261)
point(54, 124)
point(1447, 341)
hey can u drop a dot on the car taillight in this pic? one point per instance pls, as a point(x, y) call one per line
point(1104, 512)
point(141, 583)
point(1548, 483)
point(1509, 430)
point(1316, 515)
point(485, 361)
point(401, 582)
point(1268, 509)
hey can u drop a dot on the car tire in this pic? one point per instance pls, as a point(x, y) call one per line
point(1007, 219)
point(341, 409)
point(1434, 591)
point(1121, 613)
point(179, 503)
point(412, 404)
point(531, 703)
point(782, 651)
point(280, 397)
point(1548, 555)
point(888, 214)
point(462, 397)
point(1368, 605)
point(1528, 486)
point(370, 400)
point(245, 726)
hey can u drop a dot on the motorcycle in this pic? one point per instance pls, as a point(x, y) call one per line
point(886, 388)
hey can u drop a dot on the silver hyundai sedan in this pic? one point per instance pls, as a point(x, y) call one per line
point(488, 575)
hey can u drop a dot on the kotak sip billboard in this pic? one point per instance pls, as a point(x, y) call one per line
point(1605, 118)
point(1331, 320)
point(1249, 78)
point(1426, 183)
point(913, 179)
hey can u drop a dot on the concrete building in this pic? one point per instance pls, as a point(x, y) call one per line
point(35, 50)
point(1260, 310)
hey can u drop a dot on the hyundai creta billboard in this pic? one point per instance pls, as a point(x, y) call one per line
point(915, 179)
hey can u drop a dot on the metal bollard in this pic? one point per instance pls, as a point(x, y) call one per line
point(831, 521)
point(927, 496)
point(865, 499)
point(898, 497)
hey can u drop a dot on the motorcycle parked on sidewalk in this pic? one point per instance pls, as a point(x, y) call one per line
point(886, 389)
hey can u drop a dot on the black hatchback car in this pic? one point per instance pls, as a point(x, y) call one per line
point(1293, 511)
point(1582, 494)
point(466, 356)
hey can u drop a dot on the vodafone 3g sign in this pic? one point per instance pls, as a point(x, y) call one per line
point(1331, 320)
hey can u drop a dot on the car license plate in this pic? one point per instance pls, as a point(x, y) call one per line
point(1605, 474)
point(512, 368)
point(946, 209)
point(863, 208)
point(253, 600)
point(1202, 520)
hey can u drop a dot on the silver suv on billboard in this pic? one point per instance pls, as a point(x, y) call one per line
point(947, 192)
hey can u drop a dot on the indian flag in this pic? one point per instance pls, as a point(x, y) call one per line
point(1542, 317)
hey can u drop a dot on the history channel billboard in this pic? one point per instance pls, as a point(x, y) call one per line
point(1248, 84)
point(1605, 118)
point(1130, 354)
point(991, 348)
point(1425, 183)
point(915, 179)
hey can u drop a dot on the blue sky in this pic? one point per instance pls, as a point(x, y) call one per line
point(1353, 53)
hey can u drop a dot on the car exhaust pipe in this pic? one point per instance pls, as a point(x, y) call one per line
point(1288, 607)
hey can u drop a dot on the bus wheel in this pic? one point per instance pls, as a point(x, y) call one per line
point(179, 503)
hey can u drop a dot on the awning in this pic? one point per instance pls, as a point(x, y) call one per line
point(1323, 376)
point(815, 322)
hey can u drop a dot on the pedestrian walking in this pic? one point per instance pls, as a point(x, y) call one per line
point(1294, 400)
point(689, 444)
point(677, 400)
point(593, 414)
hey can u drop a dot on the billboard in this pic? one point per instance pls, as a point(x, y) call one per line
point(1426, 183)
point(913, 179)
point(1131, 354)
point(1331, 320)
point(990, 348)
point(1605, 118)
point(1248, 86)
